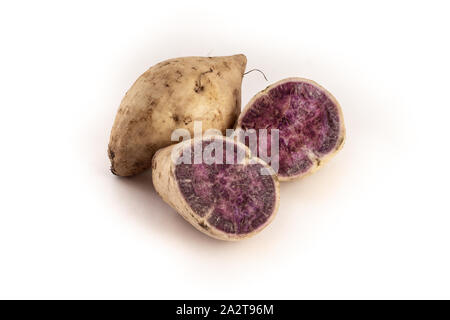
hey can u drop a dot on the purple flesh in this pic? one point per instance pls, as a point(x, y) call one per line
point(308, 121)
point(234, 198)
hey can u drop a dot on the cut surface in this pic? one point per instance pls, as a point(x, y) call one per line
point(308, 118)
point(233, 198)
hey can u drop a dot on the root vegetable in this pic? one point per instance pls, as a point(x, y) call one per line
point(170, 95)
point(225, 201)
point(309, 119)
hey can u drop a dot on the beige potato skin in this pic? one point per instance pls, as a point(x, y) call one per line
point(317, 162)
point(171, 95)
point(164, 181)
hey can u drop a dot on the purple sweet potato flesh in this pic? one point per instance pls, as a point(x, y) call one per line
point(234, 198)
point(307, 118)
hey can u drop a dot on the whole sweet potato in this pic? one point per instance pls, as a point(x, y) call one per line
point(171, 95)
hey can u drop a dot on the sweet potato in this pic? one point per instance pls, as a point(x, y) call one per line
point(225, 201)
point(171, 95)
point(309, 119)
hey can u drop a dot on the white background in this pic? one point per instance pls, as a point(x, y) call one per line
point(373, 223)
